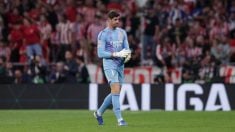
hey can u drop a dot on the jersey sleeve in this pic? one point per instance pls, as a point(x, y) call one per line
point(102, 53)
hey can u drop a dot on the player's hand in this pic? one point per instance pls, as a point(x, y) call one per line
point(127, 58)
point(122, 54)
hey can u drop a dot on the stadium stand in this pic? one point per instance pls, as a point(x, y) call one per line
point(173, 41)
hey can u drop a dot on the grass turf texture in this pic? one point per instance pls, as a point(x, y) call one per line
point(83, 121)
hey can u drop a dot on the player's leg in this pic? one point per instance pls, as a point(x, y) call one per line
point(113, 78)
point(98, 118)
point(107, 101)
point(110, 76)
point(115, 90)
point(121, 80)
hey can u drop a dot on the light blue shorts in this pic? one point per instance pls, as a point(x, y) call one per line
point(114, 76)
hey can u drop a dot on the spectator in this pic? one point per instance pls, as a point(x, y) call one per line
point(59, 75)
point(216, 51)
point(23, 54)
point(177, 33)
point(206, 71)
point(4, 71)
point(52, 16)
point(89, 11)
point(150, 33)
point(31, 39)
point(80, 40)
point(45, 32)
point(187, 73)
point(5, 51)
point(70, 10)
point(70, 67)
point(225, 49)
point(4, 30)
point(16, 40)
point(79, 27)
point(164, 53)
point(82, 74)
point(135, 53)
point(65, 35)
point(176, 13)
point(37, 70)
point(94, 29)
point(92, 33)
point(14, 17)
point(20, 77)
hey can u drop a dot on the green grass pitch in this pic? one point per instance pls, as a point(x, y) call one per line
point(83, 121)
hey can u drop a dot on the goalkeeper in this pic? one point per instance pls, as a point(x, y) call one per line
point(113, 47)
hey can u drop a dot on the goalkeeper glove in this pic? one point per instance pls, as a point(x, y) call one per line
point(127, 58)
point(122, 54)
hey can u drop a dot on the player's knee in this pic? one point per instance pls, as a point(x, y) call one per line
point(115, 88)
point(115, 91)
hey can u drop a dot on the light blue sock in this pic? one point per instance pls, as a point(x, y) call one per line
point(105, 105)
point(116, 107)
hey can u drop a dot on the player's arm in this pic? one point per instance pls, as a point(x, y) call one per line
point(102, 53)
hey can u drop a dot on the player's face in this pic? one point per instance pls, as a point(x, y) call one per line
point(115, 22)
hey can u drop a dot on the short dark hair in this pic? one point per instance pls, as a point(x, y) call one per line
point(112, 14)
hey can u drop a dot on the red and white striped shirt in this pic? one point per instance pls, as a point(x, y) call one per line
point(218, 29)
point(65, 32)
point(93, 31)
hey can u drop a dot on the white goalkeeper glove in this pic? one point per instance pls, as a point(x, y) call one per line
point(122, 54)
point(127, 58)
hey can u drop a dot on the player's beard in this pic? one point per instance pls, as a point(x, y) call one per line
point(115, 25)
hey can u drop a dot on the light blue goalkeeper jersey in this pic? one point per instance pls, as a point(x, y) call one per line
point(109, 41)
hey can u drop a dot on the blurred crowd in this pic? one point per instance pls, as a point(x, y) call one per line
point(52, 41)
point(195, 35)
